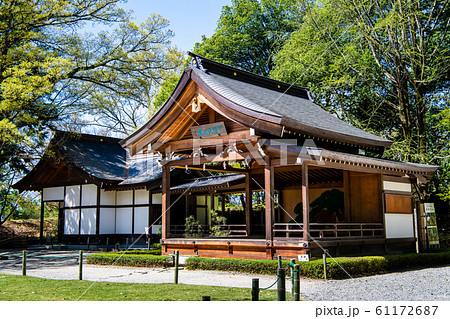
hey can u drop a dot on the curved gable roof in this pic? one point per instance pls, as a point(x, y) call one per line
point(262, 98)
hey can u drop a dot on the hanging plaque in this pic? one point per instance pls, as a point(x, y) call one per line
point(209, 130)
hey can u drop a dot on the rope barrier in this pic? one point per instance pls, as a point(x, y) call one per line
point(293, 275)
point(278, 278)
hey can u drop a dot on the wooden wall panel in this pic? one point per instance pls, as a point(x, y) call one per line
point(364, 197)
point(290, 198)
point(398, 204)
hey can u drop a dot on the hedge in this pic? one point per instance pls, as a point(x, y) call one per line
point(128, 259)
point(337, 268)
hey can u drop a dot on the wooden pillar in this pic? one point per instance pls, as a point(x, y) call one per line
point(211, 208)
point(41, 226)
point(97, 212)
point(248, 204)
point(186, 204)
point(165, 218)
point(268, 190)
point(305, 201)
point(347, 210)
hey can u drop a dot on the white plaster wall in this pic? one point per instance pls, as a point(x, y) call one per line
point(124, 197)
point(71, 221)
point(397, 186)
point(124, 220)
point(141, 196)
point(107, 220)
point(140, 220)
point(399, 225)
point(53, 193)
point(88, 221)
point(89, 195)
point(72, 197)
point(156, 198)
point(107, 198)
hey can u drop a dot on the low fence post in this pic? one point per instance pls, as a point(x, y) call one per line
point(80, 266)
point(88, 243)
point(281, 284)
point(127, 244)
point(107, 244)
point(255, 289)
point(24, 263)
point(177, 258)
point(280, 262)
point(325, 264)
point(296, 290)
point(292, 276)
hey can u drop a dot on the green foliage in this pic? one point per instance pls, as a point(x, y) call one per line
point(132, 260)
point(164, 92)
point(217, 223)
point(192, 227)
point(51, 76)
point(337, 268)
point(249, 33)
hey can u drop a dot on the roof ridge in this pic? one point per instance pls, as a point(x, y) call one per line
point(272, 84)
point(100, 138)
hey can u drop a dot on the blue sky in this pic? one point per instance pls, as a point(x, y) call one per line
point(189, 19)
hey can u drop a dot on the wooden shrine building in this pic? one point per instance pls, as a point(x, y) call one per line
point(321, 188)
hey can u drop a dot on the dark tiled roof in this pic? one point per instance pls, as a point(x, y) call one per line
point(98, 156)
point(264, 96)
point(210, 181)
point(142, 169)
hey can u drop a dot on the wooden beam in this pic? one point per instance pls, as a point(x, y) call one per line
point(165, 209)
point(213, 169)
point(189, 144)
point(248, 204)
point(41, 226)
point(210, 159)
point(305, 200)
point(268, 190)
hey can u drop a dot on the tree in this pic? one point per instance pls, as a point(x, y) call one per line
point(249, 33)
point(375, 59)
point(52, 76)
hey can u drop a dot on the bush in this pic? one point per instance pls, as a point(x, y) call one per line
point(337, 268)
point(128, 259)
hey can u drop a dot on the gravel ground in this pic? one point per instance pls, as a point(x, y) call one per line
point(430, 284)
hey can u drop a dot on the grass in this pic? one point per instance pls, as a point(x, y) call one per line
point(18, 288)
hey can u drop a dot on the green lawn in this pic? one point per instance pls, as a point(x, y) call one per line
point(16, 288)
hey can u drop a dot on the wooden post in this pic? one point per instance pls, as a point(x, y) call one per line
point(324, 256)
point(255, 289)
point(280, 261)
point(248, 204)
point(88, 243)
point(41, 226)
point(281, 284)
point(292, 276)
point(165, 218)
point(107, 244)
point(80, 266)
point(127, 243)
point(296, 290)
point(305, 200)
point(24, 263)
point(268, 190)
point(177, 258)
